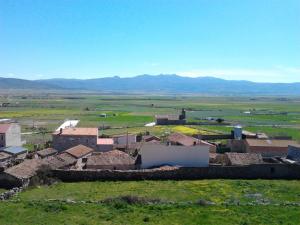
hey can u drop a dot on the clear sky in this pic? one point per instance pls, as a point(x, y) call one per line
point(256, 40)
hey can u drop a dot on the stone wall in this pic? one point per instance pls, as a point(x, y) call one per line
point(7, 181)
point(261, 171)
point(64, 142)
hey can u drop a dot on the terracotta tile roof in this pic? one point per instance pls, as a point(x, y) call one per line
point(79, 151)
point(4, 128)
point(76, 131)
point(26, 169)
point(235, 159)
point(105, 141)
point(114, 157)
point(182, 139)
point(148, 138)
point(269, 143)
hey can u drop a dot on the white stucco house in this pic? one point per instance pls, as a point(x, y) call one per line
point(153, 154)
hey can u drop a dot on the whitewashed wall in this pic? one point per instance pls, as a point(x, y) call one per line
point(122, 140)
point(159, 154)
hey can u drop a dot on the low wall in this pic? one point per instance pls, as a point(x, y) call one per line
point(261, 171)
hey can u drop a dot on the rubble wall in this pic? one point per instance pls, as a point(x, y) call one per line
point(260, 171)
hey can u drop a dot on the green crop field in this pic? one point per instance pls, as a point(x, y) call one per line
point(157, 202)
point(274, 116)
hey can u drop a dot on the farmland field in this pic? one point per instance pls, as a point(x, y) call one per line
point(274, 116)
point(157, 202)
point(154, 202)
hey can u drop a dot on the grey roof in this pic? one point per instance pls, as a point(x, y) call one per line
point(14, 150)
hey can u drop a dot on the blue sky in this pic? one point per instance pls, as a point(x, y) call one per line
point(231, 39)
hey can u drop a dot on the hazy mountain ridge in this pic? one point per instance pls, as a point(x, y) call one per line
point(160, 83)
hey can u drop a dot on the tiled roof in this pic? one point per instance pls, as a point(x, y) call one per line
point(183, 139)
point(234, 158)
point(4, 128)
point(46, 152)
point(79, 151)
point(148, 138)
point(269, 143)
point(26, 169)
point(105, 141)
point(4, 155)
point(114, 157)
point(78, 131)
point(59, 161)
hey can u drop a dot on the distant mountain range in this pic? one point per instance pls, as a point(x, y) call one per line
point(172, 84)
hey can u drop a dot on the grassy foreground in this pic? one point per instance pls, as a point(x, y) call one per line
point(163, 202)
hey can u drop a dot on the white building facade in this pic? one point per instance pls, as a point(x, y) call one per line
point(154, 155)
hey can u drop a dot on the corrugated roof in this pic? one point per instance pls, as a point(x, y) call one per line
point(114, 157)
point(78, 131)
point(79, 151)
point(105, 141)
point(14, 149)
point(4, 128)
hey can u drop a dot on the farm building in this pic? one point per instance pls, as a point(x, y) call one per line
point(268, 148)
point(171, 119)
point(20, 174)
point(10, 135)
point(154, 155)
point(113, 160)
point(70, 137)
